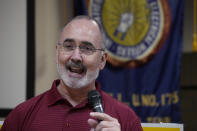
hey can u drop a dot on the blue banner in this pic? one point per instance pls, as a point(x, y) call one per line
point(144, 42)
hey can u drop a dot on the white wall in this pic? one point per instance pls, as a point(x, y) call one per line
point(12, 52)
point(51, 15)
point(48, 21)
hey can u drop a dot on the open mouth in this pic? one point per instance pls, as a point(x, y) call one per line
point(77, 68)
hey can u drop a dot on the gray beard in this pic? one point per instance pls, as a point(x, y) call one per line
point(77, 83)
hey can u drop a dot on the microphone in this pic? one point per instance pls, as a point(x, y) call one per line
point(95, 101)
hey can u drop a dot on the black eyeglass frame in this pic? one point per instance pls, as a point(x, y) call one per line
point(92, 49)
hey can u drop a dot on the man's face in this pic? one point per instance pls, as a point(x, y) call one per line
point(76, 68)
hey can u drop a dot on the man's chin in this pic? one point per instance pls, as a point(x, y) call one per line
point(75, 82)
point(76, 85)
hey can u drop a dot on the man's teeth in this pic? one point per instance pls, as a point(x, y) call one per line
point(76, 70)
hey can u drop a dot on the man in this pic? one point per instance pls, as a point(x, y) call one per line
point(79, 57)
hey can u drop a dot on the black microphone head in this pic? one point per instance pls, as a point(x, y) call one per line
point(95, 101)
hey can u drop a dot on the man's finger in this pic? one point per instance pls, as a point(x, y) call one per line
point(102, 116)
point(93, 123)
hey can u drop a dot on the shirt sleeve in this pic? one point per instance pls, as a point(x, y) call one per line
point(133, 122)
point(136, 126)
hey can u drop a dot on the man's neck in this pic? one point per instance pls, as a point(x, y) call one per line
point(73, 95)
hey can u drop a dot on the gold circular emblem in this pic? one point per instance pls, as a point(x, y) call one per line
point(126, 21)
point(134, 30)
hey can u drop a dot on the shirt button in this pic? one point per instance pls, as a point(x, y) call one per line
point(67, 124)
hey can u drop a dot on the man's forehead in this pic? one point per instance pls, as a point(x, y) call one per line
point(78, 26)
point(81, 23)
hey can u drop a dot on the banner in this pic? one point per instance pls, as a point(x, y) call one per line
point(143, 39)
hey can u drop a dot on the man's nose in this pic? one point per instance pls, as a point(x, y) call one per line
point(76, 55)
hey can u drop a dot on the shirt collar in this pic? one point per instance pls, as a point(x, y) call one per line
point(54, 96)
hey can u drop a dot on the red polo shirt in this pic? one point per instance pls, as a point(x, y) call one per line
point(51, 112)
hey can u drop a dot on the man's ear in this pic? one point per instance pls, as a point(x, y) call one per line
point(103, 60)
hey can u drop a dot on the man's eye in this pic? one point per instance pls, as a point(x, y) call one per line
point(68, 46)
point(87, 48)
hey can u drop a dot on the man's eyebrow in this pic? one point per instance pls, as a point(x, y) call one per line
point(87, 43)
point(69, 40)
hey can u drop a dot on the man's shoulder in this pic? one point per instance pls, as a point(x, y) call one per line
point(20, 113)
point(29, 104)
point(125, 115)
point(116, 105)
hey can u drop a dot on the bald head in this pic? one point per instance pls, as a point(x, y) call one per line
point(83, 26)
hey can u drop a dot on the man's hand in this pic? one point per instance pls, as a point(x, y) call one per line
point(107, 122)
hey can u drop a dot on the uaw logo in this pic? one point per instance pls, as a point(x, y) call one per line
point(134, 30)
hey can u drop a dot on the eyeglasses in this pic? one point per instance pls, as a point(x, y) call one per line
point(85, 47)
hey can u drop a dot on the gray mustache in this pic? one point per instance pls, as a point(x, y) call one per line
point(75, 65)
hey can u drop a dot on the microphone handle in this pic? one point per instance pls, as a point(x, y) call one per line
point(98, 108)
